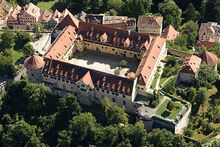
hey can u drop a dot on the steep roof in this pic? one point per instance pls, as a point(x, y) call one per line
point(74, 73)
point(15, 12)
point(87, 80)
point(45, 15)
point(205, 44)
point(34, 62)
point(149, 60)
point(62, 44)
point(115, 37)
point(32, 10)
point(69, 19)
point(209, 58)
point(150, 21)
point(191, 64)
point(55, 16)
point(169, 33)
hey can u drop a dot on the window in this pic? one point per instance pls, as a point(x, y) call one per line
point(124, 102)
point(113, 99)
point(32, 75)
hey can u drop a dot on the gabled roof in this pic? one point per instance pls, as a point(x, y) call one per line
point(32, 10)
point(87, 80)
point(62, 44)
point(74, 73)
point(115, 37)
point(15, 12)
point(209, 58)
point(169, 33)
point(205, 44)
point(55, 16)
point(46, 15)
point(191, 64)
point(149, 60)
point(34, 62)
point(150, 21)
point(69, 19)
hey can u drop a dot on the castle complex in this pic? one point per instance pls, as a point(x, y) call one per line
point(91, 85)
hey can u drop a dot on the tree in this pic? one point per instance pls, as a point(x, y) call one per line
point(190, 13)
point(22, 38)
point(123, 63)
point(206, 76)
point(82, 129)
point(201, 96)
point(191, 94)
point(7, 66)
point(171, 13)
point(35, 95)
point(64, 139)
point(70, 105)
point(170, 106)
point(19, 134)
point(212, 11)
point(28, 50)
point(7, 40)
point(113, 113)
point(38, 28)
point(116, 71)
point(188, 132)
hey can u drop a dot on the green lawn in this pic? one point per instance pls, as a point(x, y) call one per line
point(162, 110)
point(153, 85)
point(162, 80)
point(46, 5)
point(16, 55)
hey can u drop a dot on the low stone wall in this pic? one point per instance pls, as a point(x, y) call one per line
point(178, 53)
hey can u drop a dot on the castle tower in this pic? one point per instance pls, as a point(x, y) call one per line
point(34, 65)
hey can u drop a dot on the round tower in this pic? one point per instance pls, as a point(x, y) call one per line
point(34, 65)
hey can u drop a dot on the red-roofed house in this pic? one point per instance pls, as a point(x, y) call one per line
point(54, 20)
point(151, 25)
point(44, 18)
point(13, 17)
point(209, 58)
point(189, 70)
point(169, 33)
point(208, 43)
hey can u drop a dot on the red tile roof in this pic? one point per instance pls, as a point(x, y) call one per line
point(32, 10)
point(205, 44)
point(191, 64)
point(169, 33)
point(16, 11)
point(150, 21)
point(46, 15)
point(87, 80)
point(115, 37)
point(34, 62)
point(75, 73)
point(55, 16)
point(67, 19)
point(62, 43)
point(209, 58)
point(149, 60)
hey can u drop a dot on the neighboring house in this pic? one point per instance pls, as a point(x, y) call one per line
point(29, 15)
point(189, 70)
point(209, 30)
point(95, 18)
point(209, 58)
point(13, 17)
point(81, 16)
point(151, 25)
point(207, 44)
point(169, 33)
point(131, 24)
point(44, 18)
point(54, 20)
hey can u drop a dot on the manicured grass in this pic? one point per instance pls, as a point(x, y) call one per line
point(162, 110)
point(153, 85)
point(16, 55)
point(46, 5)
point(162, 80)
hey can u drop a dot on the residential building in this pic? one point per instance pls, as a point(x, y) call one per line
point(29, 15)
point(189, 70)
point(44, 18)
point(209, 30)
point(169, 33)
point(151, 25)
point(95, 18)
point(54, 20)
point(13, 17)
point(207, 44)
point(209, 58)
point(131, 24)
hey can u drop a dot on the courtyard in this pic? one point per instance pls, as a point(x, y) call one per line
point(104, 62)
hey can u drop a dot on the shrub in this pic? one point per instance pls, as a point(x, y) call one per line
point(123, 63)
point(170, 106)
point(154, 103)
point(117, 71)
point(188, 132)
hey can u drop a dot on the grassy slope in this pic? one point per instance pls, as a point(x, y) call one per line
point(16, 55)
point(46, 5)
point(174, 112)
point(153, 85)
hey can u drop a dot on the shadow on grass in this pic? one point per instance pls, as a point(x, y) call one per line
point(165, 114)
